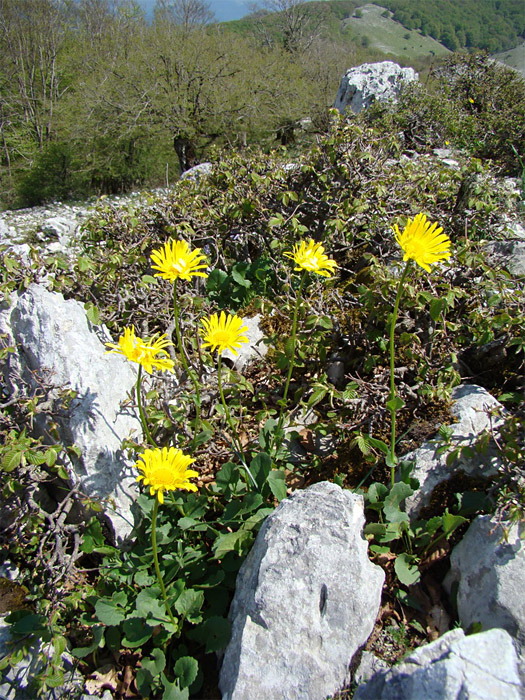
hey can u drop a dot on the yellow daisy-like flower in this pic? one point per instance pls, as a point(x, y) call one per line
point(224, 333)
point(149, 353)
point(176, 260)
point(423, 242)
point(311, 257)
point(165, 469)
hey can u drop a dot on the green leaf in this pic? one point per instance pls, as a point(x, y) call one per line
point(378, 444)
point(98, 636)
point(451, 522)
point(277, 484)
point(397, 495)
point(143, 681)
point(136, 632)
point(156, 664)
point(108, 612)
point(11, 460)
point(232, 542)
point(189, 604)
point(377, 493)
point(186, 669)
point(317, 395)
point(92, 313)
point(395, 404)
point(214, 633)
point(436, 307)
point(172, 691)
point(260, 467)
point(149, 604)
point(406, 570)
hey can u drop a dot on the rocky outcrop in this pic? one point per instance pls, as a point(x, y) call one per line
point(487, 572)
point(363, 85)
point(306, 599)
point(479, 667)
point(472, 405)
point(57, 349)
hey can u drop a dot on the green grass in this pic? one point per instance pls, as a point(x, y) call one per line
point(515, 58)
point(390, 37)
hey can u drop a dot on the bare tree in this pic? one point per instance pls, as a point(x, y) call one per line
point(188, 14)
point(300, 23)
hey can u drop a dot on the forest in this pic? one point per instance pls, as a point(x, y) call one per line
point(96, 99)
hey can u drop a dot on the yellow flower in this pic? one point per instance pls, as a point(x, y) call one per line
point(165, 469)
point(423, 242)
point(149, 353)
point(311, 257)
point(224, 333)
point(176, 260)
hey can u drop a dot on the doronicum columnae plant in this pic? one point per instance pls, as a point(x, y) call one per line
point(426, 244)
point(176, 261)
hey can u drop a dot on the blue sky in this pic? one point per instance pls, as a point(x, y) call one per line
point(224, 9)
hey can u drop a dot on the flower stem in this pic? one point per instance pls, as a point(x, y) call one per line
point(142, 413)
point(185, 363)
point(156, 561)
point(392, 395)
point(230, 422)
point(292, 361)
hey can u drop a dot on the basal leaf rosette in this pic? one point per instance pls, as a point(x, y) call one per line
point(176, 261)
point(310, 256)
point(224, 332)
point(150, 353)
point(423, 242)
point(166, 469)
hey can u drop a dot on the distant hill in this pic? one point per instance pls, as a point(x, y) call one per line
point(408, 30)
point(374, 27)
point(494, 25)
point(515, 58)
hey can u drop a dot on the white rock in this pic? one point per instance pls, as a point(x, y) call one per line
point(487, 570)
point(454, 667)
point(364, 84)
point(472, 406)
point(197, 172)
point(54, 340)
point(306, 599)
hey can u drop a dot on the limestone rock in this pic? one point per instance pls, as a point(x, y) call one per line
point(488, 571)
point(197, 172)
point(510, 251)
point(306, 599)
point(471, 406)
point(364, 84)
point(55, 341)
point(454, 667)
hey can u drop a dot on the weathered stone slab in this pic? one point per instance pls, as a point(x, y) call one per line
point(306, 599)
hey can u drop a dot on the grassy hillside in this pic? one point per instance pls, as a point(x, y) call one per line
point(515, 58)
point(377, 31)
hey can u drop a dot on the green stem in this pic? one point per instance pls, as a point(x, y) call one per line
point(185, 363)
point(227, 413)
point(156, 561)
point(392, 395)
point(142, 413)
point(292, 361)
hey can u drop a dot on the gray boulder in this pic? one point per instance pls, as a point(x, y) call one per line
point(487, 574)
point(362, 85)
point(472, 406)
point(306, 599)
point(56, 347)
point(454, 667)
point(198, 172)
point(509, 252)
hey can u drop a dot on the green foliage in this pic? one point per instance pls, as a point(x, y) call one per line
point(244, 282)
point(471, 23)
